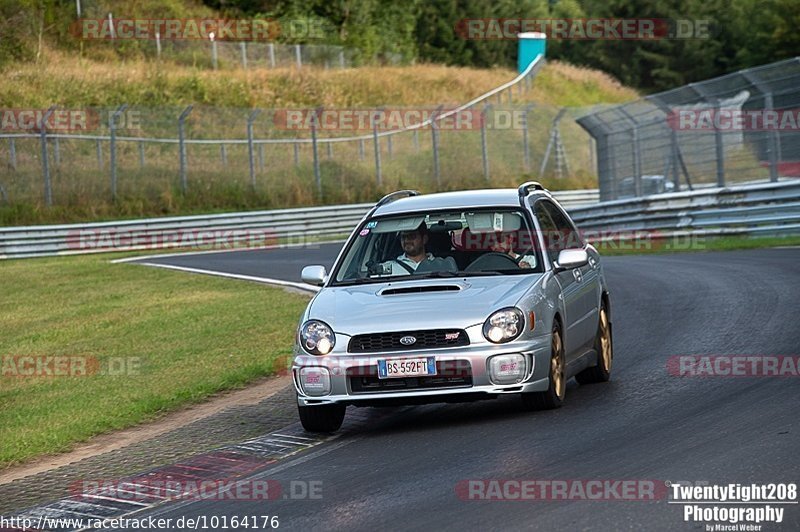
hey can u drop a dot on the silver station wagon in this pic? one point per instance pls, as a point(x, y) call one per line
point(454, 296)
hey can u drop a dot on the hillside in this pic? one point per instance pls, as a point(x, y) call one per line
point(73, 82)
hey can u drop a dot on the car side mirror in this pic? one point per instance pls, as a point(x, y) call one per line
point(571, 258)
point(314, 275)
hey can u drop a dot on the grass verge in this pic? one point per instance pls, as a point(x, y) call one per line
point(151, 341)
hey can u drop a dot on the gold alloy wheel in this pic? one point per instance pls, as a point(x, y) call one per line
point(557, 367)
point(605, 340)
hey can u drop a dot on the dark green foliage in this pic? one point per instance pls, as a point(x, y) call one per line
point(743, 33)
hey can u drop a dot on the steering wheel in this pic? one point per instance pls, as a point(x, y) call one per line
point(504, 255)
point(490, 261)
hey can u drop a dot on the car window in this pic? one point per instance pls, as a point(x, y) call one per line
point(487, 241)
point(549, 229)
point(566, 235)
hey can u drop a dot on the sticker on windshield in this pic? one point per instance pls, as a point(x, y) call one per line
point(364, 232)
point(372, 224)
point(498, 221)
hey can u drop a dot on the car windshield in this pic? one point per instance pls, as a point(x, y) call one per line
point(440, 244)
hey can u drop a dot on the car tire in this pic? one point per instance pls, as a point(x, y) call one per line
point(604, 348)
point(557, 389)
point(322, 418)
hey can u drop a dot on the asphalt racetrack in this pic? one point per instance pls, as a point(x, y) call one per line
point(406, 468)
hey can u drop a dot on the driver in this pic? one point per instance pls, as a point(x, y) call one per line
point(505, 244)
point(414, 253)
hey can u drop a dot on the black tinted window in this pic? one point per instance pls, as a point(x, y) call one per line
point(559, 233)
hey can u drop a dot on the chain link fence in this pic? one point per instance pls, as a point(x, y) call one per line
point(735, 128)
point(291, 156)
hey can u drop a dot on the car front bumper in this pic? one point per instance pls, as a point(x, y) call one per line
point(342, 368)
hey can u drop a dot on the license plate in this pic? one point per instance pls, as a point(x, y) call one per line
point(406, 367)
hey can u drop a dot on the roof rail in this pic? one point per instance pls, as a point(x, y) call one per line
point(525, 188)
point(388, 198)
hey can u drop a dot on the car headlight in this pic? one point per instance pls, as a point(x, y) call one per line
point(504, 325)
point(316, 337)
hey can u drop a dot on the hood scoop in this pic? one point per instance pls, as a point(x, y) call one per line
point(419, 289)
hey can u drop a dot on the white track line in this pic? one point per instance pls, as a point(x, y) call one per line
point(266, 280)
point(207, 252)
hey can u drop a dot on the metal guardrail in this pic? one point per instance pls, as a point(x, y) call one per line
point(270, 227)
point(756, 209)
point(771, 209)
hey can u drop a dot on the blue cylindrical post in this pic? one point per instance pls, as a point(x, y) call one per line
point(531, 44)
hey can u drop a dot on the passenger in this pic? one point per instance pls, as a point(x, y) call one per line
point(505, 244)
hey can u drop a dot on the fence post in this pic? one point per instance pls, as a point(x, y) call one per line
point(243, 48)
point(315, 151)
point(389, 147)
point(99, 151)
point(526, 147)
point(416, 140)
point(182, 147)
point(298, 56)
point(484, 147)
point(378, 175)
point(271, 48)
point(296, 149)
point(360, 149)
point(341, 58)
point(223, 154)
point(56, 152)
point(250, 155)
point(675, 155)
point(719, 151)
point(12, 154)
point(719, 148)
point(261, 157)
point(112, 128)
point(141, 154)
point(214, 54)
point(329, 147)
point(48, 191)
point(774, 143)
point(636, 154)
point(637, 161)
point(158, 45)
point(435, 140)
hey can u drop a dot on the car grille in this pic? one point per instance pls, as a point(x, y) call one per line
point(449, 374)
point(377, 342)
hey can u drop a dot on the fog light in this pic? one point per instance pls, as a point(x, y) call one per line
point(315, 381)
point(507, 369)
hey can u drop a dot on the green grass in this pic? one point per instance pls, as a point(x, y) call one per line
point(694, 244)
point(191, 336)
